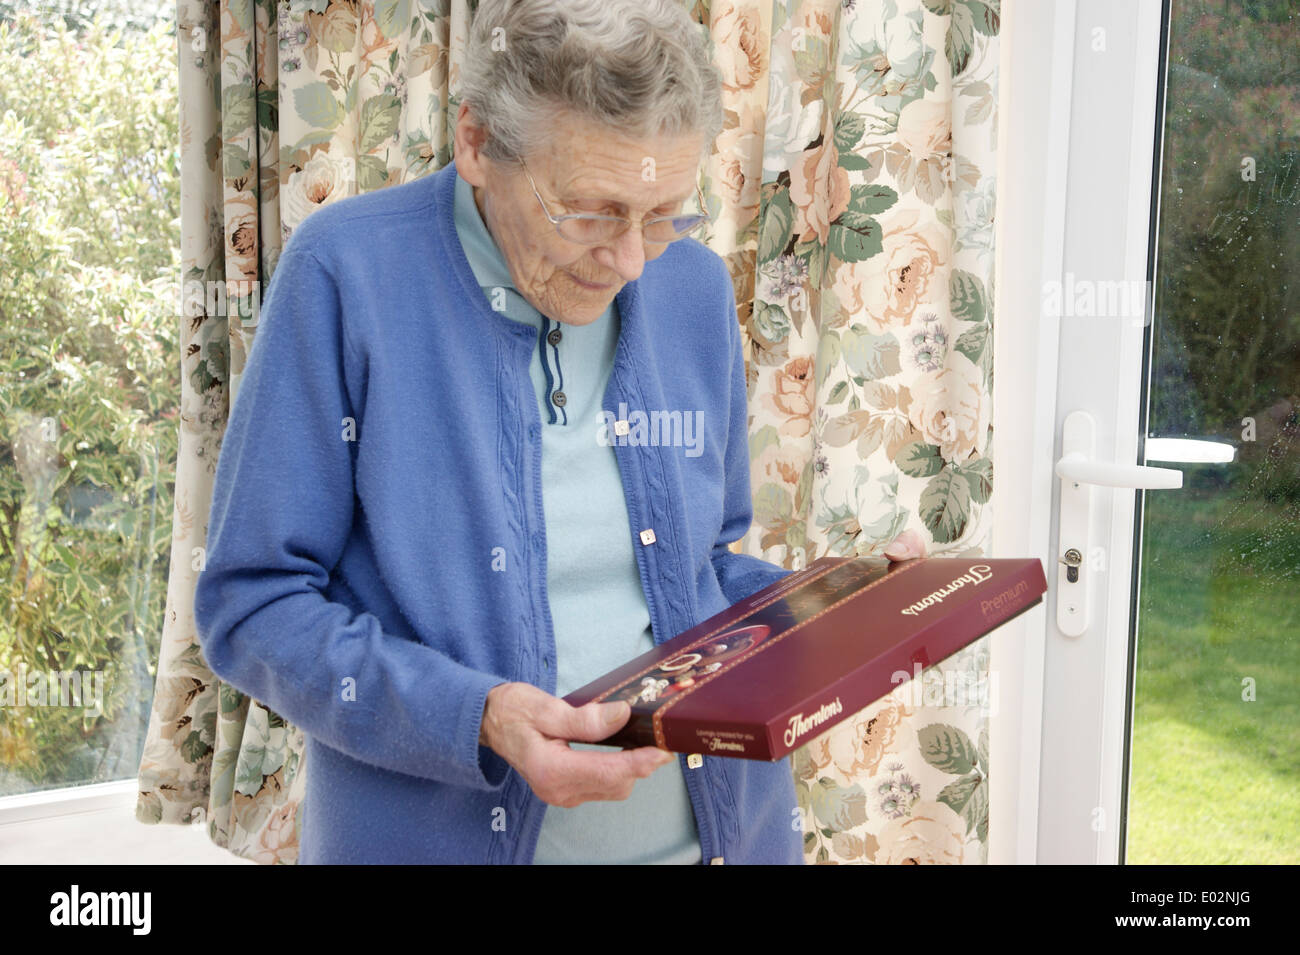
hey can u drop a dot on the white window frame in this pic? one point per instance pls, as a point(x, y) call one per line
point(1035, 79)
point(48, 803)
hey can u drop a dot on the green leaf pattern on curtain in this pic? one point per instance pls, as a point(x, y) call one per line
point(856, 175)
point(853, 197)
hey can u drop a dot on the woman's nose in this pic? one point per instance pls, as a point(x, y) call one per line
point(627, 255)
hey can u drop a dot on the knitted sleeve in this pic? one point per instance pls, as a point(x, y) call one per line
point(282, 511)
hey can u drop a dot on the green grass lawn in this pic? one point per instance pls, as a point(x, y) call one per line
point(1216, 779)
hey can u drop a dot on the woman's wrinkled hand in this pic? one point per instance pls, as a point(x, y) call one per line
point(531, 730)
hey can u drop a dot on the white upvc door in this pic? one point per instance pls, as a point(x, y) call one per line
point(1105, 182)
point(1078, 114)
point(1156, 685)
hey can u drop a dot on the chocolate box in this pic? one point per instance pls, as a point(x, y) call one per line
point(790, 661)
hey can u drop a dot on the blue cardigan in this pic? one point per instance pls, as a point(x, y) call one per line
point(376, 549)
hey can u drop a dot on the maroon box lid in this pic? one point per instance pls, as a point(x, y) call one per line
point(790, 661)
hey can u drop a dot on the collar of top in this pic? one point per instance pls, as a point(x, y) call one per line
point(485, 258)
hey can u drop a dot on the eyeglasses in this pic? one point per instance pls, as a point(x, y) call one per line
point(589, 228)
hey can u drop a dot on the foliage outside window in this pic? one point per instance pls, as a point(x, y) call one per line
point(89, 379)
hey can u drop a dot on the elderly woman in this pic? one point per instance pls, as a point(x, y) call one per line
point(425, 530)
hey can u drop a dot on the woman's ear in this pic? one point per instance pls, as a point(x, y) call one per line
point(469, 140)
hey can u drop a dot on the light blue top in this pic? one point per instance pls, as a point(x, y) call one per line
point(377, 548)
point(597, 606)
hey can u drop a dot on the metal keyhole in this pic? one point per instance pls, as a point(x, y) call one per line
point(1072, 560)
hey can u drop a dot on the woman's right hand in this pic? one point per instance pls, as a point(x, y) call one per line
point(531, 730)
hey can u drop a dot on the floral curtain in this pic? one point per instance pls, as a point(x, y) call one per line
point(853, 195)
point(855, 182)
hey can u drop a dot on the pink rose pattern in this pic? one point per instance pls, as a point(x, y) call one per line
point(870, 362)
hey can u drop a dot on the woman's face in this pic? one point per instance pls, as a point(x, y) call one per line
point(584, 169)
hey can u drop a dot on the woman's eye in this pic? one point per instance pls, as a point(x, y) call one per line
point(591, 206)
point(596, 207)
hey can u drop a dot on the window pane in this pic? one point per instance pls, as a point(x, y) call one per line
point(1215, 761)
point(89, 386)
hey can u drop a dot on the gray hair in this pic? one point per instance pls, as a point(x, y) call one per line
point(640, 67)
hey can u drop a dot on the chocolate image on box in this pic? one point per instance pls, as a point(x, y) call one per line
point(792, 660)
point(647, 693)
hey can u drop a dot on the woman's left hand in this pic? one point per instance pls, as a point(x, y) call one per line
point(906, 545)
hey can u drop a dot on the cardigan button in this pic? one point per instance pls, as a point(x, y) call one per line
point(716, 860)
point(648, 536)
point(620, 427)
point(694, 761)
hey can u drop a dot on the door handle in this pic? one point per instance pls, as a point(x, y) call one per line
point(1079, 472)
point(1076, 466)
